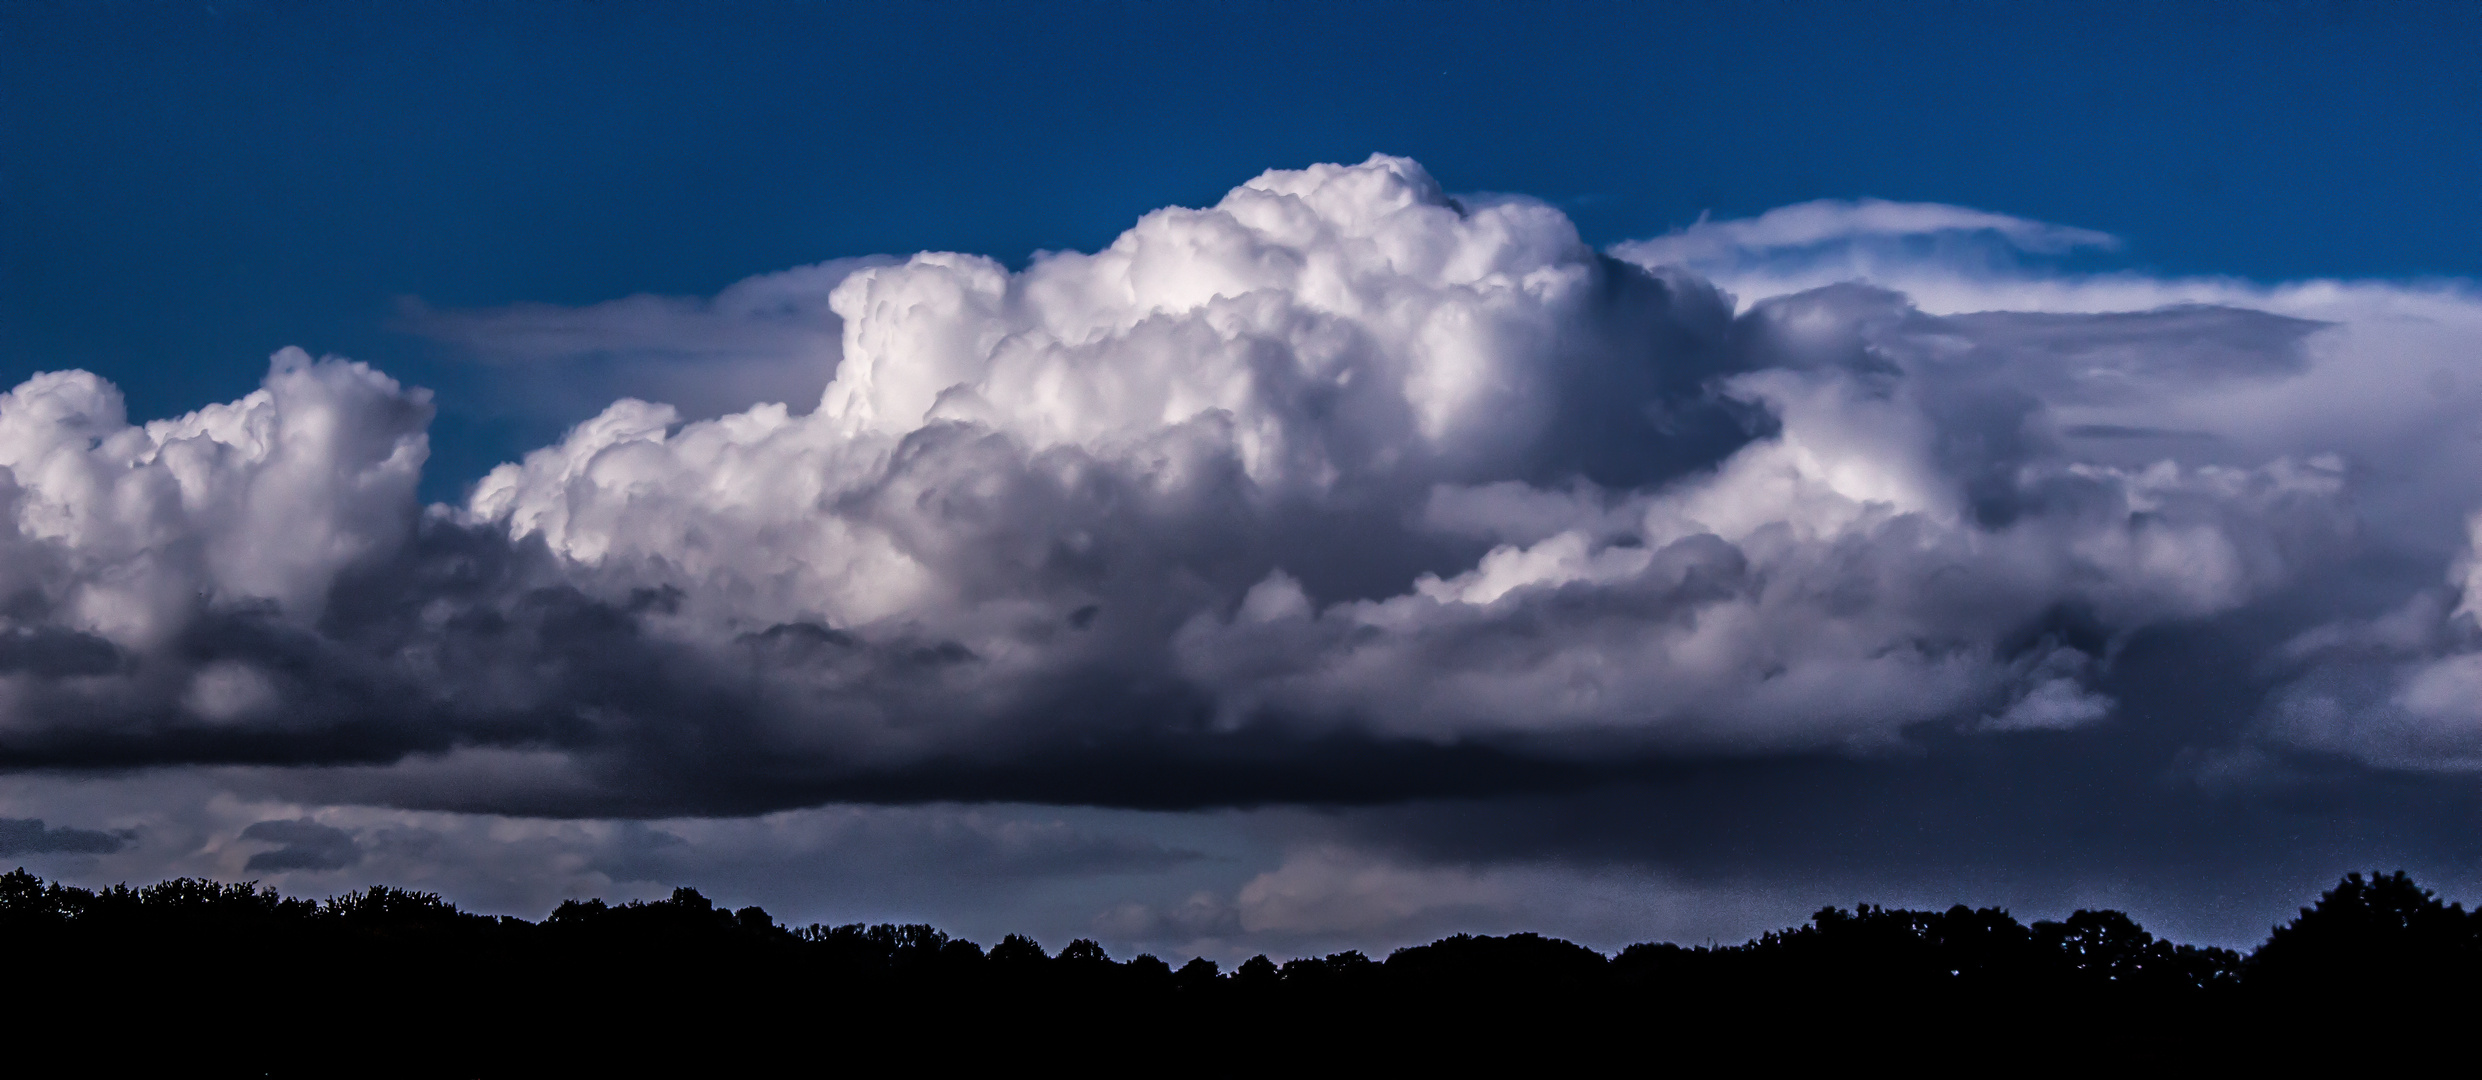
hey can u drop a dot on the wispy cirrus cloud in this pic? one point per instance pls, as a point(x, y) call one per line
point(1846, 224)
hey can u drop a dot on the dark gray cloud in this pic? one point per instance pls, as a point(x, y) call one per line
point(986, 848)
point(50, 651)
point(28, 836)
point(301, 845)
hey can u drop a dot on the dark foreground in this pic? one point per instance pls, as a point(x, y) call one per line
point(207, 978)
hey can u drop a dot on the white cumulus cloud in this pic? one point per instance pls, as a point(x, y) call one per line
point(1338, 461)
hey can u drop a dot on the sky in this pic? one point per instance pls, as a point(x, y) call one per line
point(1220, 478)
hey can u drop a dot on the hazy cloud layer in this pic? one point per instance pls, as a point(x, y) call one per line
point(1719, 855)
point(1339, 490)
point(984, 870)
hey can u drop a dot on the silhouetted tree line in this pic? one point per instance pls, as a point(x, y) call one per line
point(226, 977)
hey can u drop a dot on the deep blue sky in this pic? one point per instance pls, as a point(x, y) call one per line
point(186, 187)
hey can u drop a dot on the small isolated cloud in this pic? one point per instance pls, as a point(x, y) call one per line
point(29, 836)
point(302, 845)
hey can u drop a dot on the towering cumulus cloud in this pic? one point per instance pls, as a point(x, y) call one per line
point(1339, 489)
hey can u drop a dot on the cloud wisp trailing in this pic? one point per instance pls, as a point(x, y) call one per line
point(773, 337)
point(1845, 224)
point(1340, 490)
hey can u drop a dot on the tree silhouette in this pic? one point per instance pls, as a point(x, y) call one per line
point(1257, 973)
point(1198, 976)
point(2383, 930)
point(1084, 953)
point(1018, 951)
point(684, 985)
